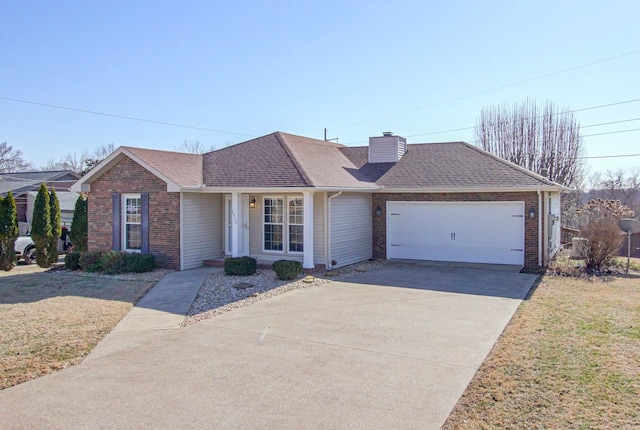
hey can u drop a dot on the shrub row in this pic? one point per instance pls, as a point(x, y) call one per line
point(110, 262)
point(247, 266)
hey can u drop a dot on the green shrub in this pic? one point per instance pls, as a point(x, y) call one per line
point(240, 266)
point(72, 261)
point(56, 228)
point(8, 232)
point(287, 269)
point(41, 232)
point(113, 262)
point(90, 261)
point(139, 263)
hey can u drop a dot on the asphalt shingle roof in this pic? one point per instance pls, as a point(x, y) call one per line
point(261, 162)
point(25, 181)
point(286, 160)
point(181, 168)
point(444, 165)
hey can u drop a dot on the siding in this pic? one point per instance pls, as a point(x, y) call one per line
point(555, 211)
point(201, 228)
point(351, 225)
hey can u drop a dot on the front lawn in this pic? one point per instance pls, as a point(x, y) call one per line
point(570, 359)
point(50, 320)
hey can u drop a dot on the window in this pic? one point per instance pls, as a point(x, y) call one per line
point(273, 223)
point(132, 222)
point(296, 224)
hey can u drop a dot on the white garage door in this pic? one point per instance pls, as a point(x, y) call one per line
point(475, 232)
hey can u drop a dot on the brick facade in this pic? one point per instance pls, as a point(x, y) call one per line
point(530, 229)
point(164, 211)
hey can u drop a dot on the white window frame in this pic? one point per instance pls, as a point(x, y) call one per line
point(290, 224)
point(126, 197)
point(285, 224)
point(282, 224)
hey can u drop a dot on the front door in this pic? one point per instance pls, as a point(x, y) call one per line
point(243, 221)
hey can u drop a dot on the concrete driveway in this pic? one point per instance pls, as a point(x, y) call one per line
point(393, 348)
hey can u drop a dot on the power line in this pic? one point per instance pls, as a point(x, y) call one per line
point(612, 156)
point(612, 132)
point(491, 89)
point(558, 113)
point(171, 124)
point(609, 123)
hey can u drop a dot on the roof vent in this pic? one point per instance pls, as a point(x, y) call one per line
point(386, 148)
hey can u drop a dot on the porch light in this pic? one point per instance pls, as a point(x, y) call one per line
point(378, 211)
point(252, 202)
point(532, 213)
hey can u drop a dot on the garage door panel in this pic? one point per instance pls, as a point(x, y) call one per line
point(478, 232)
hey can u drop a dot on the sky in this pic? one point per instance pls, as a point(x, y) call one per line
point(225, 72)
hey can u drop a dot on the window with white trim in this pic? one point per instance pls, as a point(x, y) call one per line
point(296, 224)
point(132, 222)
point(273, 217)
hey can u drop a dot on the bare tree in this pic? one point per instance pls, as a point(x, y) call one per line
point(621, 184)
point(545, 140)
point(12, 160)
point(71, 161)
point(195, 147)
point(99, 153)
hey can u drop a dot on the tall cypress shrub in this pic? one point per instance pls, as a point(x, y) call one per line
point(56, 228)
point(41, 226)
point(8, 232)
point(79, 225)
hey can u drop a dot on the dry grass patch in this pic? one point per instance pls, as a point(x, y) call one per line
point(50, 320)
point(570, 358)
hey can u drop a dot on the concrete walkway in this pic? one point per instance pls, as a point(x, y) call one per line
point(162, 308)
point(394, 353)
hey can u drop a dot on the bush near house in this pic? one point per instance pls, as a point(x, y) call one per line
point(90, 261)
point(597, 221)
point(72, 261)
point(114, 262)
point(110, 262)
point(287, 269)
point(240, 266)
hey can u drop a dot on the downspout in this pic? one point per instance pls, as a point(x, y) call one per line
point(539, 228)
point(327, 257)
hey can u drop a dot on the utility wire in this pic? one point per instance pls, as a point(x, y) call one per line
point(491, 89)
point(538, 117)
point(123, 117)
point(612, 156)
point(612, 132)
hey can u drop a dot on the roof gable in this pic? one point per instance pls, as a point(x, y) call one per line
point(177, 169)
point(260, 162)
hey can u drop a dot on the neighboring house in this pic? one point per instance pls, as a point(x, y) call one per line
point(24, 186)
point(283, 196)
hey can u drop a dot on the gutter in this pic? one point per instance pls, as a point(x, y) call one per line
point(327, 232)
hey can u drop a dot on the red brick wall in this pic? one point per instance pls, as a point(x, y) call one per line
point(164, 211)
point(530, 227)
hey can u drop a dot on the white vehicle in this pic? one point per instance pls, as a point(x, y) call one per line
point(25, 249)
